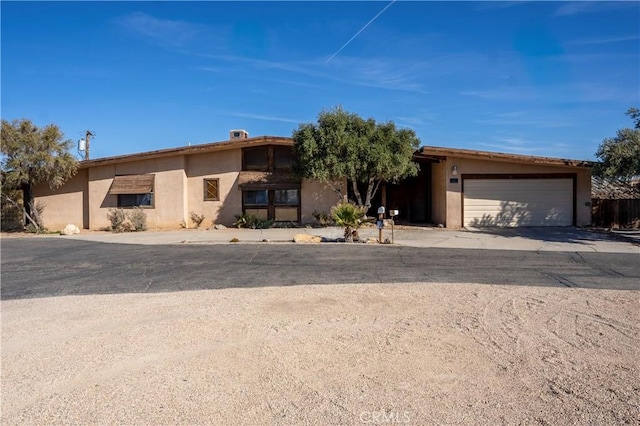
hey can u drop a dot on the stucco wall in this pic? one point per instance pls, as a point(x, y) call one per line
point(169, 191)
point(317, 196)
point(64, 205)
point(469, 166)
point(222, 165)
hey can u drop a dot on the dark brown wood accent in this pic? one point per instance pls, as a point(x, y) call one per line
point(271, 205)
point(519, 176)
point(132, 184)
point(434, 151)
point(618, 213)
point(267, 180)
point(211, 189)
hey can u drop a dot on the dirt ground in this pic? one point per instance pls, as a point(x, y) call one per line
point(342, 354)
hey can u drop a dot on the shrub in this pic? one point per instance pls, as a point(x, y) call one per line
point(234, 240)
point(117, 218)
point(252, 222)
point(197, 219)
point(138, 219)
point(350, 216)
point(121, 221)
point(322, 217)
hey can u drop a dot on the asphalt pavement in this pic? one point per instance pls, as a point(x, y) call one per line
point(527, 239)
point(57, 266)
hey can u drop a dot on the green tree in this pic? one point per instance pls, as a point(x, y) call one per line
point(344, 145)
point(620, 156)
point(32, 155)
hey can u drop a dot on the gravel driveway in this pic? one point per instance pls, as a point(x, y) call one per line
point(332, 354)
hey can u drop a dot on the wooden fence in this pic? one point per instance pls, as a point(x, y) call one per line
point(616, 214)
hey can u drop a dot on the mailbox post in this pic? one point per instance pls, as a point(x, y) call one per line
point(380, 223)
point(393, 213)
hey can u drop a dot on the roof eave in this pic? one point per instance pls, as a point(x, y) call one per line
point(499, 156)
point(188, 150)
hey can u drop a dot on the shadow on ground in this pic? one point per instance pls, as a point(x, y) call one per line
point(57, 267)
point(548, 234)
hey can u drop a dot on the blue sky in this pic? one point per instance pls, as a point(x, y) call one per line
point(538, 78)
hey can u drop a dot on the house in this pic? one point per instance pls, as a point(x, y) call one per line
point(455, 187)
point(217, 180)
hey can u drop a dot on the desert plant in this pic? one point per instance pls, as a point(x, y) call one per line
point(252, 222)
point(117, 218)
point(127, 226)
point(138, 219)
point(197, 219)
point(322, 217)
point(234, 240)
point(349, 216)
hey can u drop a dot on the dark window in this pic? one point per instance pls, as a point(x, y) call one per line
point(279, 205)
point(135, 200)
point(286, 197)
point(256, 158)
point(256, 198)
point(211, 189)
point(283, 157)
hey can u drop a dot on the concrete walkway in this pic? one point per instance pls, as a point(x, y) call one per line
point(530, 239)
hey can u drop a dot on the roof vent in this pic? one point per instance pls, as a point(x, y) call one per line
point(238, 134)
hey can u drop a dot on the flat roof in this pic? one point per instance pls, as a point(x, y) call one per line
point(437, 152)
point(425, 152)
point(189, 150)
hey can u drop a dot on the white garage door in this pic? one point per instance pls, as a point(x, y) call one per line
point(518, 202)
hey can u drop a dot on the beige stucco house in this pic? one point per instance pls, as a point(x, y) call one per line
point(455, 187)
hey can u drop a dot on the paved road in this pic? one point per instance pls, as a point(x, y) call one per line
point(56, 267)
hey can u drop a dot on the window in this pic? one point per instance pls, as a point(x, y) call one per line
point(256, 198)
point(133, 190)
point(283, 157)
point(256, 159)
point(212, 190)
point(268, 158)
point(286, 197)
point(135, 200)
point(279, 205)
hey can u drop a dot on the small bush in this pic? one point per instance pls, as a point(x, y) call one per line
point(349, 216)
point(138, 219)
point(234, 240)
point(33, 229)
point(197, 219)
point(322, 217)
point(252, 222)
point(117, 218)
point(121, 221)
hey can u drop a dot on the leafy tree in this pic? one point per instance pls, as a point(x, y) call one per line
point(344, 145)
point(620, 156)
point(32, 155)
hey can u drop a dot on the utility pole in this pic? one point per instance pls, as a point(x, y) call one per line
point(88, 135)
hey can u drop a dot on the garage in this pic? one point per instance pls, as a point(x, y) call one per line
point(509, 201)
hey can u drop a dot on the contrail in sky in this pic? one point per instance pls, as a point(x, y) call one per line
point(361, 30)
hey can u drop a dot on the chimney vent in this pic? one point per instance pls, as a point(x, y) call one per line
point(238, 134)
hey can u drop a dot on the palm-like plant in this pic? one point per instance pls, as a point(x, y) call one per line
point(350, 216)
